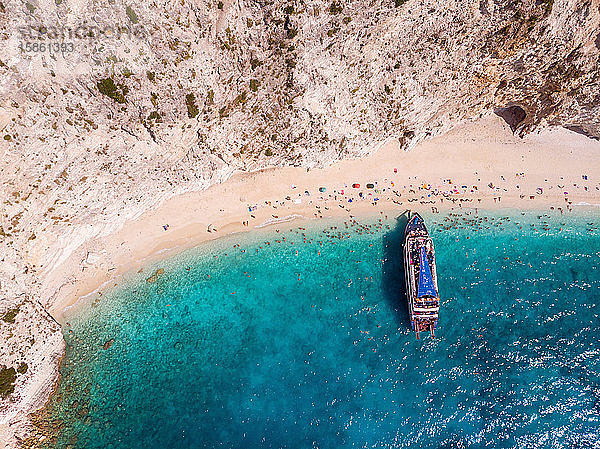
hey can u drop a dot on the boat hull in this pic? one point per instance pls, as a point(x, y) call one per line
point(420, 276)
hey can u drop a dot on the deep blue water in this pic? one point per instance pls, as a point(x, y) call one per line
point(305, 343)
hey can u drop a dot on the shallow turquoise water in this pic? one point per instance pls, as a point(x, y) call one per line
point(305, 343)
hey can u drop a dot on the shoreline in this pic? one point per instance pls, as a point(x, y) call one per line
point(44, 427)
point(479, 164)
point(482, 156)
point(164, 254)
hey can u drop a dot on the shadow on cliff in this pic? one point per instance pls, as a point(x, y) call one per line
point(394, 285)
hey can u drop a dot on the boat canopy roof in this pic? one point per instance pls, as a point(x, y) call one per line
point(415, 224)
point(426, 285)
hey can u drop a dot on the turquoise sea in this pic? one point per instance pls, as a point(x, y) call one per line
point(300, 339)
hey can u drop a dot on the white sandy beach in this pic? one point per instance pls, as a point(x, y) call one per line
point(480, 164)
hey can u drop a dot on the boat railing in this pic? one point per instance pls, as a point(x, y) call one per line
point(427, 303)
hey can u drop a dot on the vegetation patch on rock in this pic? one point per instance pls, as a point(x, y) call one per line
point(132, 15)
point(108, 87)
point(192, 108)
point(7, 381)
point(10, 315)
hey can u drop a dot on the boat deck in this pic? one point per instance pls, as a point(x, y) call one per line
point(421, 281)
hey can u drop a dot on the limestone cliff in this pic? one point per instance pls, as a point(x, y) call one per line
point(32, 346)
point(128, 104)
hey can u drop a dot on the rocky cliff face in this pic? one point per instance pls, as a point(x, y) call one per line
point(128, 104)
point(32, 346)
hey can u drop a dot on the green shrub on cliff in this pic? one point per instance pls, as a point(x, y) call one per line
point(335, 8)
point(10, 315)
point(132, 15)
point(7, 381)
point(108, 87)
point(192, 108)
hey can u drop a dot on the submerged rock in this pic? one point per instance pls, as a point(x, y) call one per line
point(155, 276)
